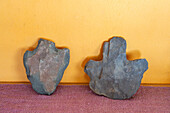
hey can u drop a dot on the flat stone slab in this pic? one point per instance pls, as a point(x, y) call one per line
point(115, 77)
point(45, 66)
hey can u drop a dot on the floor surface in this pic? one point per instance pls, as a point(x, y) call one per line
point(16, 98)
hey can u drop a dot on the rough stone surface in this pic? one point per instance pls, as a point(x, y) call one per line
point(115, 76)
point(45, 66)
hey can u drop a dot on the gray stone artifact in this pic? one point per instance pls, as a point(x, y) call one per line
point(45, 66)
point(115, 77)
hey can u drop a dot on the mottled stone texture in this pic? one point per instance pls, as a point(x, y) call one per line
point(115, 77)
point(45, 66)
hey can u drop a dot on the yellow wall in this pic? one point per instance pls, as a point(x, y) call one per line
point(82, 26)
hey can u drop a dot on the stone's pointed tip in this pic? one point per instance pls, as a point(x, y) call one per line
point(145, 63)
point(45, 40)
point(41, 39)
point(86, 69)
point(118, 38)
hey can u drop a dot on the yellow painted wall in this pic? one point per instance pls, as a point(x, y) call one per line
point(82, 26)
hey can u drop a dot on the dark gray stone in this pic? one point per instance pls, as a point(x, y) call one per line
point(115, 76)
point(45, 66)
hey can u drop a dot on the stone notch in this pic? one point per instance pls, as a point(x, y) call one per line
point(45, 66)
point(115, 77)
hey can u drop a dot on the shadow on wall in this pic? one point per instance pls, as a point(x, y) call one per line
point(20, 54)
point(131, 55)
